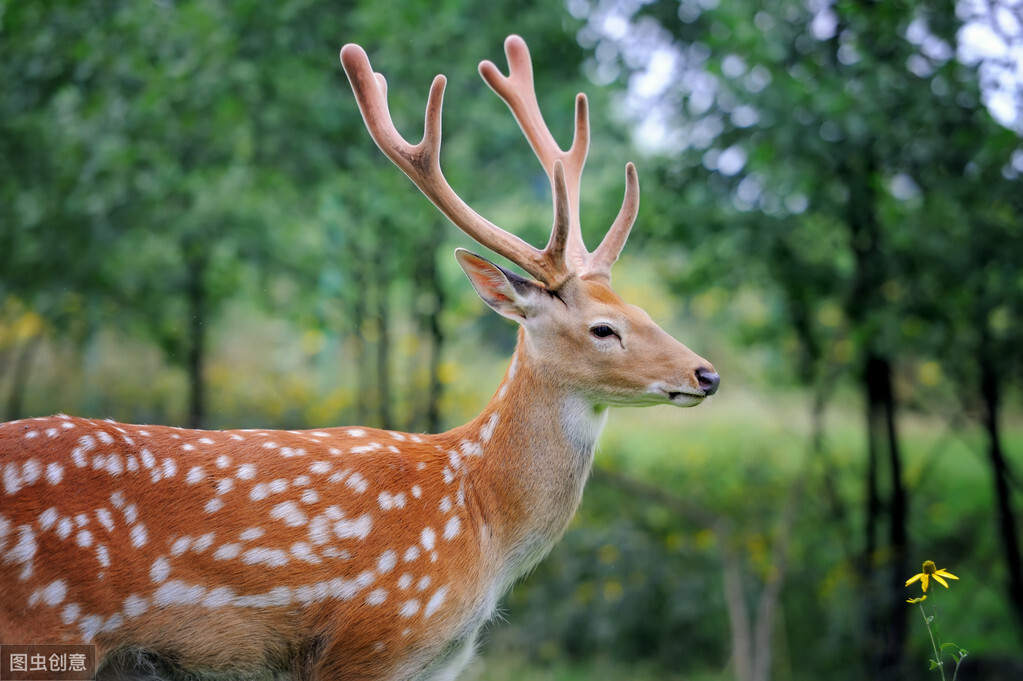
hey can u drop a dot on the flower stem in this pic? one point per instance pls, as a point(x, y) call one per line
point(934, 646)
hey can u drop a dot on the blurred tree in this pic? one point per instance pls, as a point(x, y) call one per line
point(827, 127)
point(158, 161)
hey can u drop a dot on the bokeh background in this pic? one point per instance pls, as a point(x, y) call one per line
point(196, 229)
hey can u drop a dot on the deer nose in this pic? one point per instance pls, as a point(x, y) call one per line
point(708, 380)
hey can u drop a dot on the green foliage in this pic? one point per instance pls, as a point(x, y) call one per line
point(173, 172)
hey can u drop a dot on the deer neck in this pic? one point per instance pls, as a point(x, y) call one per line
point(532, 449)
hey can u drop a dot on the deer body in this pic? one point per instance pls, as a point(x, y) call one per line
point(340, 553)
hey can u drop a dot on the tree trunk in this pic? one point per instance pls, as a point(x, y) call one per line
point(382, 312)
point(196, 291)
point(889, 617)
point(428, 306)
point(991, 392)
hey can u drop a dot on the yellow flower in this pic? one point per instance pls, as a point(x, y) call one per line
point(929, 570)
point(917, 600)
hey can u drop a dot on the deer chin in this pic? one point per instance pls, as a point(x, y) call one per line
point(679, 396)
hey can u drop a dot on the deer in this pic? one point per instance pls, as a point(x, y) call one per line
point(351, 552)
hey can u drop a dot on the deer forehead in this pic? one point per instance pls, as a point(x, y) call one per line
point(591, 300)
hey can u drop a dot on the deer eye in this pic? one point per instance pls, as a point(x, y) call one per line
point(602, 331)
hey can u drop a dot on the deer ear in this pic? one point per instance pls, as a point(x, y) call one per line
point(509, 294)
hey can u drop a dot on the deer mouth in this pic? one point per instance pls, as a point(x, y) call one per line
point(684, 398)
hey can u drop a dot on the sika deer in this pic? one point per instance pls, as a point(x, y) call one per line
point(344, 553)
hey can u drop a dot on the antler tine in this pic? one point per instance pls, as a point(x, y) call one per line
point(518, 91)
point(611, 246)
point(421, 162)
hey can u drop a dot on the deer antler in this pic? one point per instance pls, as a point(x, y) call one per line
point(565, 254)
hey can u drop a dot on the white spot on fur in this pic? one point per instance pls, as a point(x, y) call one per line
point(376, 597)
point(424, 583)
point(135, 605)
point(160, 570)
point(470, 448)
point(487, 431)
point(84, 539)
point(115, 465)
point(106, 519)
point(252, 533)
point(436, 600)
point(203, 542)
point(303, 551)
point(180, 545)
point(409, 608)
point(64, 528)
point(356, 432)
point(103, 555)
point(405, 581)
point(265, 556)
point(290, 513)
point(320, 467)
point(47, 519)
point(70, 613)
point(31, 471)
point(194, 476)
point(12, 478)
point(53, 594)
point(227, 552)
point(428, 538)
point(223, 461)
point(357, 483)
point(357, 529)
point(214, 505)
point(319, 529)
point(246, 471)
point(86, 443)
point(411, 553)
point(54, 473)
point(219, 597)
point(388, 559)
point(417, 491)
point(176, 592)
point(310, 496)
point(389, 501)
point(139, 536)
point(452, 528)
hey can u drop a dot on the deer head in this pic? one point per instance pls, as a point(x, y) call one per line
point(575, 326)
